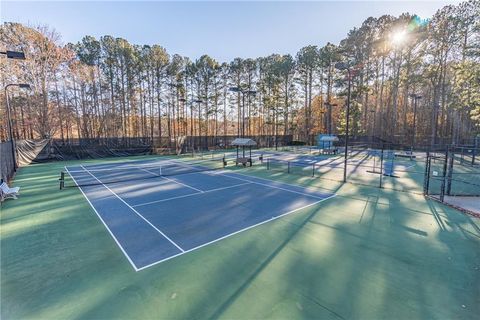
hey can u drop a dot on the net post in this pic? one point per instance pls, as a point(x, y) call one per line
point(62, 180)
point(268, 164)
point(313, 170)
point(288, 167)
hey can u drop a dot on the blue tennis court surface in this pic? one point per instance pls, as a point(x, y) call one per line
point(156, 219)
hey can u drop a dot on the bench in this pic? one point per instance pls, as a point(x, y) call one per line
point(244, 161)
point(329, 151)
point(405, 155)
point(8, 193)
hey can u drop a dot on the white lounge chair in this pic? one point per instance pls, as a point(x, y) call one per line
point(8, 193)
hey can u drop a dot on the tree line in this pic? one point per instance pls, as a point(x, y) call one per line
point(410, 79)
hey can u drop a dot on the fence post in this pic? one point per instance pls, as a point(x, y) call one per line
point(444, 175)
point(450, 172)
point(474, 151)
point(426, 177)
point(381, 167)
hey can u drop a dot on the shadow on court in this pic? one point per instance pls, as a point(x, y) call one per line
point(366, 254)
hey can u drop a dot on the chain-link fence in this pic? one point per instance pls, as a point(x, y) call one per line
point(453, 172)
point(7, 164)
point(92, 148)
point(203, 143)
point(381, 165)
point(453, 177)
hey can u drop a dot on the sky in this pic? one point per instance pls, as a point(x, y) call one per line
point(222, 29)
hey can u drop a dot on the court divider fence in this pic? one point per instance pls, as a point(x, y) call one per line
point(452, 171)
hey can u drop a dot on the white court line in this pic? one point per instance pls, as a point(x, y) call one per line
point(106, 226)
point(191, 195)
point(236, 232)
point(128, 164)
point(231, 234)
point(410, 166)
point(183, 184)
point(177, 182)
point(116, 195)
point(226, 172)
point(134, 164)
point(272, 186)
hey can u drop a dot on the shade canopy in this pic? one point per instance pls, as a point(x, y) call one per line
point(243, 142)
point(328, 138)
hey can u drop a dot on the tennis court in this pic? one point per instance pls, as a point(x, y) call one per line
point(159, 210)
point(366, 253)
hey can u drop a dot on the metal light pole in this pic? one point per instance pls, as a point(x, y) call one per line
point(9, 119)
point(329, 116)
point(373, 125)
point(323, 119)
point(415, 98)
point(248, 93)
point(185, 121)
point(434, 124)
point(344, 66)
point(243, 92)
point(198, 102)
point(16, 55)
point(184, 102)
point(243, 115)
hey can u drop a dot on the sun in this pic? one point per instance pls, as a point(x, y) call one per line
point(399, 37)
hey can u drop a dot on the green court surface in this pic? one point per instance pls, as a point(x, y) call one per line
point(367, 253)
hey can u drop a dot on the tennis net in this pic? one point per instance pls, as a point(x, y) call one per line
point(85, 176)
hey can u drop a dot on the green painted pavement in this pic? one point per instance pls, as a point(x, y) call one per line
point(366, 254)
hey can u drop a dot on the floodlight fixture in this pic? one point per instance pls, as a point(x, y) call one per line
point(341, 66)
point(17, 55)
point(9, 119)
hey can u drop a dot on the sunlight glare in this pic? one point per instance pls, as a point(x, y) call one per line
point(399, 37)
